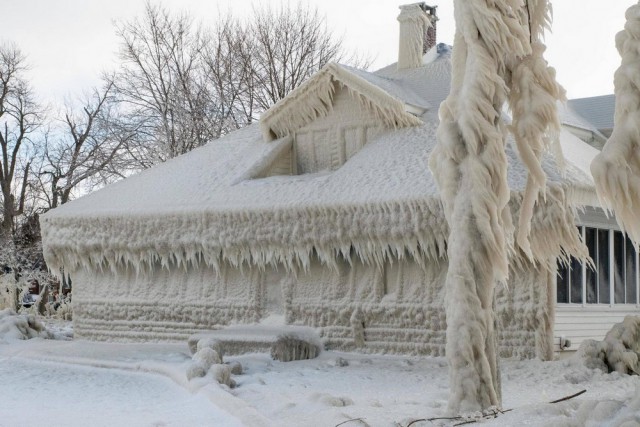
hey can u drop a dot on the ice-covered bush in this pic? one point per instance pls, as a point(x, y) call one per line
point(290, 347)
point(619, 351)
point(222, 374)
point(21, 326)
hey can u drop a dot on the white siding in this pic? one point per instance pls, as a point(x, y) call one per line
point(579, 323)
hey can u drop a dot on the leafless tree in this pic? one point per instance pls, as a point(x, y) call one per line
point(159, 82)
point(289, 45)
point(20, 117)
point(227, 60)
point(186, 86)
point(85, 146)
point(252, 64)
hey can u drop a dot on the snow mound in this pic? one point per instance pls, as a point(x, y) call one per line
point(618, 352)
point(21, 327)
point(609, 412)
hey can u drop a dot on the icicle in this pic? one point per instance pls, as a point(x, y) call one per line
point(616, 170)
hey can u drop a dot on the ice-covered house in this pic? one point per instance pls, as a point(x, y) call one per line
point(324, 214)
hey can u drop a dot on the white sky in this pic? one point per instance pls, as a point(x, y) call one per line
point(69, 42)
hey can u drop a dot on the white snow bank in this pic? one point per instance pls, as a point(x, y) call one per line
point(609, 412)
point(21, 327)
point(618, 352)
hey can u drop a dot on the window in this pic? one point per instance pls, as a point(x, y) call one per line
point(615, 277)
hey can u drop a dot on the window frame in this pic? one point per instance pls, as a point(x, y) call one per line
point(612, 271)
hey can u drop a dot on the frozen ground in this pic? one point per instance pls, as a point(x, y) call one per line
point(76, 383)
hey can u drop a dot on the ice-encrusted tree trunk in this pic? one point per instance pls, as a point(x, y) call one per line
point(497, 57)
point(616, 170)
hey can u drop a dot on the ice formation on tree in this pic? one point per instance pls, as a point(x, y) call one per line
point(497, 57)
point(616, 170)
point(619, 351)
point(533, 96)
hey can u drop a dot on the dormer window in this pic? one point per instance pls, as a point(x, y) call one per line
point(332, 116)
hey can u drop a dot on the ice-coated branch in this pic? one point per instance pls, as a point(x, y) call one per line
point(616, 170)
point(533, 98)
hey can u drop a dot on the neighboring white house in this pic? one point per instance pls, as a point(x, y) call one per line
point(596, 110)
point(325, 214)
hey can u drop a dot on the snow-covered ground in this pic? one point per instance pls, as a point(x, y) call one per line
point(76, 383)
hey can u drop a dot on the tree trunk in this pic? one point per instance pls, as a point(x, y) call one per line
point(471, 346)
point(43, 299)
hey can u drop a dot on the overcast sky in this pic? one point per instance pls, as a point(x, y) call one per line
point(69, 42)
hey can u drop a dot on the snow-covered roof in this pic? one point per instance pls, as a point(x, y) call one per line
point(598, 110)
point(208, 206)
point(569, 117)
point(433, 79)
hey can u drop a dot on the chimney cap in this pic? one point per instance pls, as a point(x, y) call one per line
point(430, 10)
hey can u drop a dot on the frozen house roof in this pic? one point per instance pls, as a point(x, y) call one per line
point(569, 117)
point(596, 109)
point(209, 206)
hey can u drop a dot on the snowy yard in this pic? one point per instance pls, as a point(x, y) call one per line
point(72, 383)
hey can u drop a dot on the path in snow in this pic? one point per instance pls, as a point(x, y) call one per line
point(34, 393)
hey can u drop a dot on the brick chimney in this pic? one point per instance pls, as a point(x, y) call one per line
point(417, 33)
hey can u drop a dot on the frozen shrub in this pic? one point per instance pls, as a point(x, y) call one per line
point(21, 326)
point(288, 348)
point(196, 370)
point(619, 351)
point(207, 357)
point(198, 342)
point(236, 368)
point(222, 374)
point(211, 343)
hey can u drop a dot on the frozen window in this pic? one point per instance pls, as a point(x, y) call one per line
point(631, 272)
point(602, 263)
point(616, 271)
point(619, 276)
point(591, 281)
point(576, 281)
point(562, 284)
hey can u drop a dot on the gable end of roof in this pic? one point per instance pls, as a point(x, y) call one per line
point(314, 98)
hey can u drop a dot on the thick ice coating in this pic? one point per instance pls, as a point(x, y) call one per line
point(616, 170)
